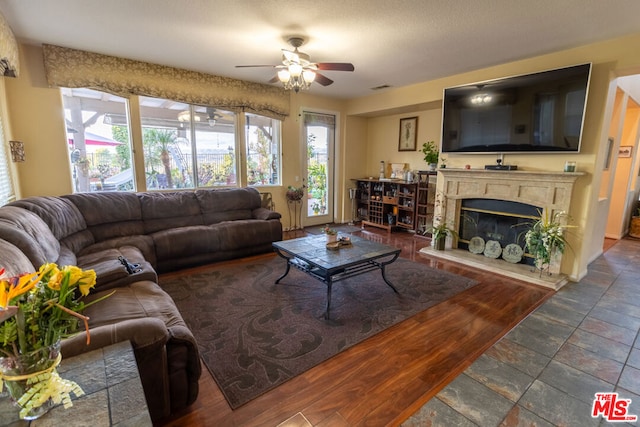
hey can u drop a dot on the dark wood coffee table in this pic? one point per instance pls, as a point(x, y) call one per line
point(310, 255)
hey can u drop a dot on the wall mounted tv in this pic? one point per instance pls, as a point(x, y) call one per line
point(541, 112)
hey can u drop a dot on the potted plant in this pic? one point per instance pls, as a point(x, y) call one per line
point(294, 193)
point(430, 152)
point(332, 234)
point(545, 239)
point(634, 228)
point(443, 163)
point(439, 235)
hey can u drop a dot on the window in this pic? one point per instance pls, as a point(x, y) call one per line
point(262, 137)
point(187, 146)
point(183, 146)
point(98, 140)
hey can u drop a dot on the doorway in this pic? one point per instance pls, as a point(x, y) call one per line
point(319, 134)
point(620, 184)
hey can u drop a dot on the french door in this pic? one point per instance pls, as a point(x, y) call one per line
point(319, 133)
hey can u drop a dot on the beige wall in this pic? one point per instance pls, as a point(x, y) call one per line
point(368, 131)
point(37, 119)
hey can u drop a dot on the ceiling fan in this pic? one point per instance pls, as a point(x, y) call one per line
point(298, 72)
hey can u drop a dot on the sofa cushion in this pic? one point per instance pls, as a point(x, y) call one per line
point(111, 272)
point(247, 233)
point(228, 204)
point(109, 214)
point(61, 216)
point(30, 234)
point(143, 243)
point(186, 241)
point(161, 211)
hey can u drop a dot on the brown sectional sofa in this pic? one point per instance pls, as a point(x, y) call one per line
point(159, 232)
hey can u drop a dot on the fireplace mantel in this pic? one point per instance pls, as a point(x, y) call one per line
point(550, 191)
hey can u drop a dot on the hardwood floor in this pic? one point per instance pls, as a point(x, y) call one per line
point(385, 379)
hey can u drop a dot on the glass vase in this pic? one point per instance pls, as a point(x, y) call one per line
point(18, 372)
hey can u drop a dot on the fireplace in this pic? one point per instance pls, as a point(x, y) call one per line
point(497, 205)
point(501, 221)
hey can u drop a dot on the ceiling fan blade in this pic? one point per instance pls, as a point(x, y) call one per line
point(323, 80)
point(252, 66)
point(291, 56)
point(275, 79)
point(335, 66)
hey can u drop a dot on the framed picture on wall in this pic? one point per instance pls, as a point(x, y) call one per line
point(408, 134)
point(625, 151)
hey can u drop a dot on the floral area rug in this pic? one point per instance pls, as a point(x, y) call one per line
point(254, 335)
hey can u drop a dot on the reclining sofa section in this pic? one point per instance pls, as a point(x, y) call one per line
point(126, 238)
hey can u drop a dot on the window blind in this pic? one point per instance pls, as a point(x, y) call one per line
point(7, 193)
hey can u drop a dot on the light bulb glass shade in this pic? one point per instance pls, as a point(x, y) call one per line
point(284, 75)
point(295, 70)
point(308, 76)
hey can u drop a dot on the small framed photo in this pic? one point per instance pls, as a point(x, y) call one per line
point(408, 134)
point(625, 151)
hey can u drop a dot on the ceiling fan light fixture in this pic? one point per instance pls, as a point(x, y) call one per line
point(284, 75)
point(295, 70)
point(309, 76)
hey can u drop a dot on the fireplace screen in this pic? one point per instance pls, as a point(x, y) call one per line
point(498, 221)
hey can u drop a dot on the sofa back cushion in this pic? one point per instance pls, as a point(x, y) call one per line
point(109, 214)
point(63, 219)
point(228, 204)
point(29, 233)
point(13, 260)
point(161, 211)
point(61, 216)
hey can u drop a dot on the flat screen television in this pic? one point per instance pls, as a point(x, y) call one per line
point(540, 112)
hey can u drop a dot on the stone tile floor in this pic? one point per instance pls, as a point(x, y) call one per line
point(546, 371)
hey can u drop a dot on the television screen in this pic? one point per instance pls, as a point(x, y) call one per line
point(540, 112)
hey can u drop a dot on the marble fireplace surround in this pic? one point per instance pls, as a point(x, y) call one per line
point(547, 190)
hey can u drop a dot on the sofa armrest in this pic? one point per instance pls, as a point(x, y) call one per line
point(143, 333)
point(149, 337)
point(263, 213)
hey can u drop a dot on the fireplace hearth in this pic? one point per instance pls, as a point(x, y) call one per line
point(498, 206)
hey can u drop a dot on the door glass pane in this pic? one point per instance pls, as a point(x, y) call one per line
point(98, 140)
point(319, 133)
point(262, 136)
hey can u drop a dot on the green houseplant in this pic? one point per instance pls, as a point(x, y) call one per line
point(430, 152)
point(439, 235)
point(546, 238)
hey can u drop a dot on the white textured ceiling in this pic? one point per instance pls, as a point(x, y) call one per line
point(394, 43)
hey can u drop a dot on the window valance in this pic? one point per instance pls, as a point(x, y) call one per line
point(76, 68)
point(9, 65)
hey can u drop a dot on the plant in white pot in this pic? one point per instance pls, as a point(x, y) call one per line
point(430, 152)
